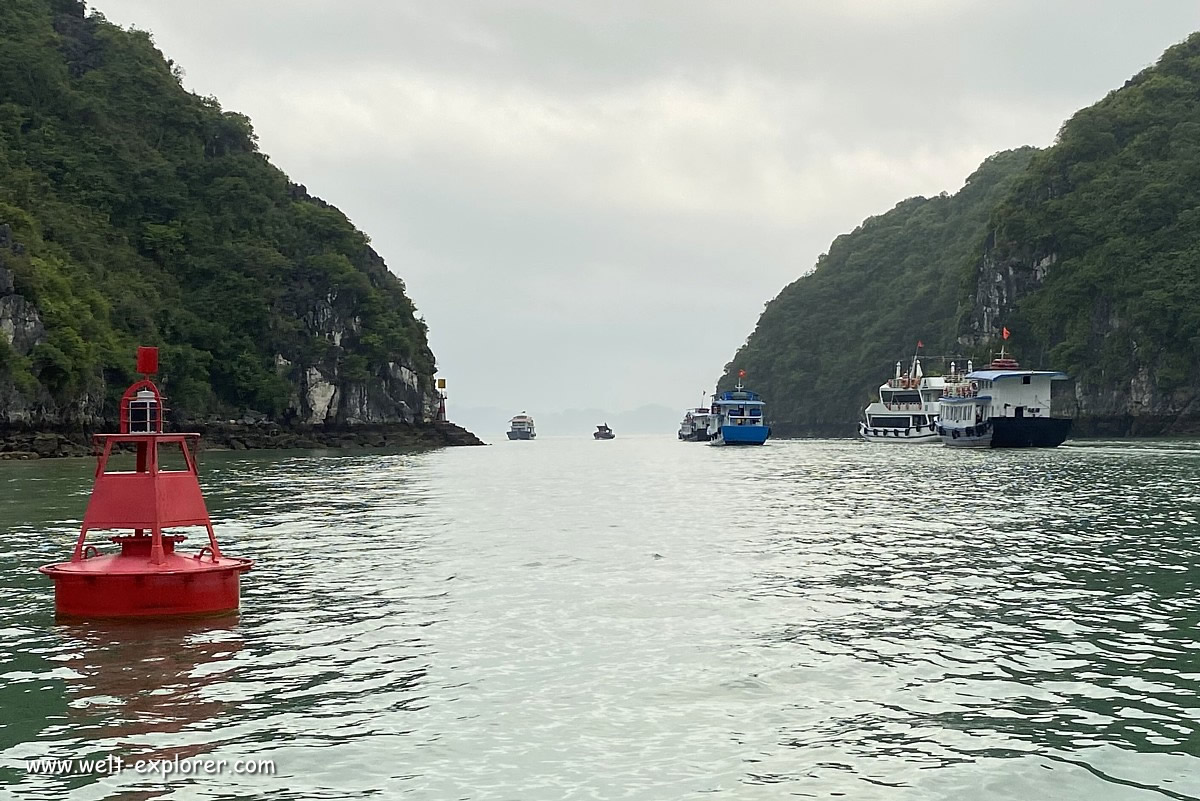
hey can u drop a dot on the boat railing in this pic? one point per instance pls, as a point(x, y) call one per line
point(961, 389)
point(905, 407)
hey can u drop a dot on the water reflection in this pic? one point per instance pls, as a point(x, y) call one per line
point(136, 678)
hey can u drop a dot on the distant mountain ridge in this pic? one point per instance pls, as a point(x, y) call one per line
point(1088, 252)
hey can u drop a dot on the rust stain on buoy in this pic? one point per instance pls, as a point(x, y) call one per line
point(147, 578)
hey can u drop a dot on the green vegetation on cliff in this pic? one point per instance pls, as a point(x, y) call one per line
point(831, 337)
point(1089, 252)
point(133, 212)
point(1096, 254)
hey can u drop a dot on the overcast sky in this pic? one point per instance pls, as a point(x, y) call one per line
point(590, 202)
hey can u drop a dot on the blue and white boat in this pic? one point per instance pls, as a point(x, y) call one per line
point(736, 418)
point(1001, 407)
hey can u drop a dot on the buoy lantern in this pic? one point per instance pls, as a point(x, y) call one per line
point(148, 578)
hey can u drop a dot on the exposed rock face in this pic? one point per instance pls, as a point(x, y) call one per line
point(1135, 405)
point(21, 329)
point(20, 324)
point(1000, 280)
point(319, 398)
point(395, 395)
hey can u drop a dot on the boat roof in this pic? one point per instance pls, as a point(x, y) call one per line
point(996, 375)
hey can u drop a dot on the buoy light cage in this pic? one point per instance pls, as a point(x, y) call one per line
point(147, 578)
point(142, 404)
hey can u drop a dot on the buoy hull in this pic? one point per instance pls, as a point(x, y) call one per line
point(214, 590)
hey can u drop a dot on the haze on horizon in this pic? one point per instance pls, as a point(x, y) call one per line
point(591, 202)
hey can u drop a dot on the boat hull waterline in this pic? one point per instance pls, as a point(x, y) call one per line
point(741, 435)
point(1011, 432)
point(899, 436)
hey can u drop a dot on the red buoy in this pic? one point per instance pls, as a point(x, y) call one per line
point(147, 578)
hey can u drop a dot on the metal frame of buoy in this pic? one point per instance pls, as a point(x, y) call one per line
point(147, 578)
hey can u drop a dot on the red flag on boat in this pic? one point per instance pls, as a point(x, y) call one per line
point(1004, 333)
point(741, 373)
point(920, 344)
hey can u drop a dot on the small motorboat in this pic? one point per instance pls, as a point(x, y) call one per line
point(603, 432)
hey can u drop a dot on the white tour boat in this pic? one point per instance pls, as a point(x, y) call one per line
point(907, 409)
point(694, 427)
point(521, 427)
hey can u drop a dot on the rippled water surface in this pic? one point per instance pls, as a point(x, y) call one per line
point(640, 619)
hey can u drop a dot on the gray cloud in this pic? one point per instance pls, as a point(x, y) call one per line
point(590, 202)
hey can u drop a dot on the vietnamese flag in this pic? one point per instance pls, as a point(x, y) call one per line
point(1004, 333)
point(741, 373)
point(920, 344)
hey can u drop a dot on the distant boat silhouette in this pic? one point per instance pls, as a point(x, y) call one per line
point(603, 432)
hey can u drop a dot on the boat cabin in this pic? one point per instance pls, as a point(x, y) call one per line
point(739, 407)
point(983, 394)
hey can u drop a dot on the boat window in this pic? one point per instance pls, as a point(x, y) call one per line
point(879, 421)
point(1025, 379)
point(906, 397)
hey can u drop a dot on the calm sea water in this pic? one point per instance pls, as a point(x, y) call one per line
point(640, 619)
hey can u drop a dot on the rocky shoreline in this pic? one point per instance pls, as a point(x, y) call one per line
point(46, 443)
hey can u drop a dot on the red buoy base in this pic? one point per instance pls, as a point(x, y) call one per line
point(130, 586)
